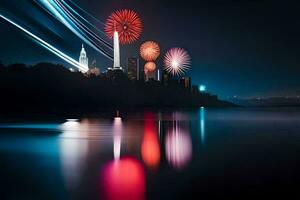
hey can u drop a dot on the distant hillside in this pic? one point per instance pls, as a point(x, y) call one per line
point(268, 102)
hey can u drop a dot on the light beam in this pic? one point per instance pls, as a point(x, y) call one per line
point(60, 14)
point(48, 46)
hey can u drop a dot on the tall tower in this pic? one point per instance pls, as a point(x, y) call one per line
point(83, 59)
point(117, 64)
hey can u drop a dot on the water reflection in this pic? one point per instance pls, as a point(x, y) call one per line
point(73, 129)
point(123, 179)
point(117, 133)
point(178, 145)
point(109, 158)
point(73, 152)
point(202, 125)
point(150, 148)
point(141, 141)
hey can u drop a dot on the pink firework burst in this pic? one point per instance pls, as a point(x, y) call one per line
point(177, 61)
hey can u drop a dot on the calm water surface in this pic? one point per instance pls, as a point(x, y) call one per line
point(199, 154)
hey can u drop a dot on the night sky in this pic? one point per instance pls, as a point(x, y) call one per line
point(243, 48)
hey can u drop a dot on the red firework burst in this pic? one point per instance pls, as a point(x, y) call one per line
point(127, 23)
point(149, 51)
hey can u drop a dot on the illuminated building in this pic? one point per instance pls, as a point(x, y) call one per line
point(186, 82)
point(94, 71)
point(195, 89)
point(133, 68)
point(169, 79)
point(83, 59)
point(94, 63)
point(166, 77)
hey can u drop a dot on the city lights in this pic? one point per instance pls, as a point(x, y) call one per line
point(202, 88)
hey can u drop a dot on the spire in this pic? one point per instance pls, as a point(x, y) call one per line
point(83, 59)
point(82, 52)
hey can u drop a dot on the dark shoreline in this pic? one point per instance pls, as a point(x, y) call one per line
point(53, 89)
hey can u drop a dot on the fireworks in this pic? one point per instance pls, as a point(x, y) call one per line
point(149, 51)
point(150, 67)
point(127, 23)
point(177, 61)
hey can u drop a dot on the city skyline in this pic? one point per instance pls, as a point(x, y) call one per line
point(225, 58)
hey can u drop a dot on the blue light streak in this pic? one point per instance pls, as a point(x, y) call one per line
point(87, 13)
point(48, 46)
point(84, 27)
point(60, 14)
point(75, 12)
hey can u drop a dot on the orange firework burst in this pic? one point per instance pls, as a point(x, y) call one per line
point(149, 51)
point(127, 23)
point(150, 67)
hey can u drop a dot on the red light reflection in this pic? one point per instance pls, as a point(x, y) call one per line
point(150, 149)
point(123, 179)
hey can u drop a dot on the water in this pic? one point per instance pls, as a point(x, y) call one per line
point(198, 154)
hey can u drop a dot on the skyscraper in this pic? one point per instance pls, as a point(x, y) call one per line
point(185, 82)
point(83, 59)
point(133, 68)
point(166, 77)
